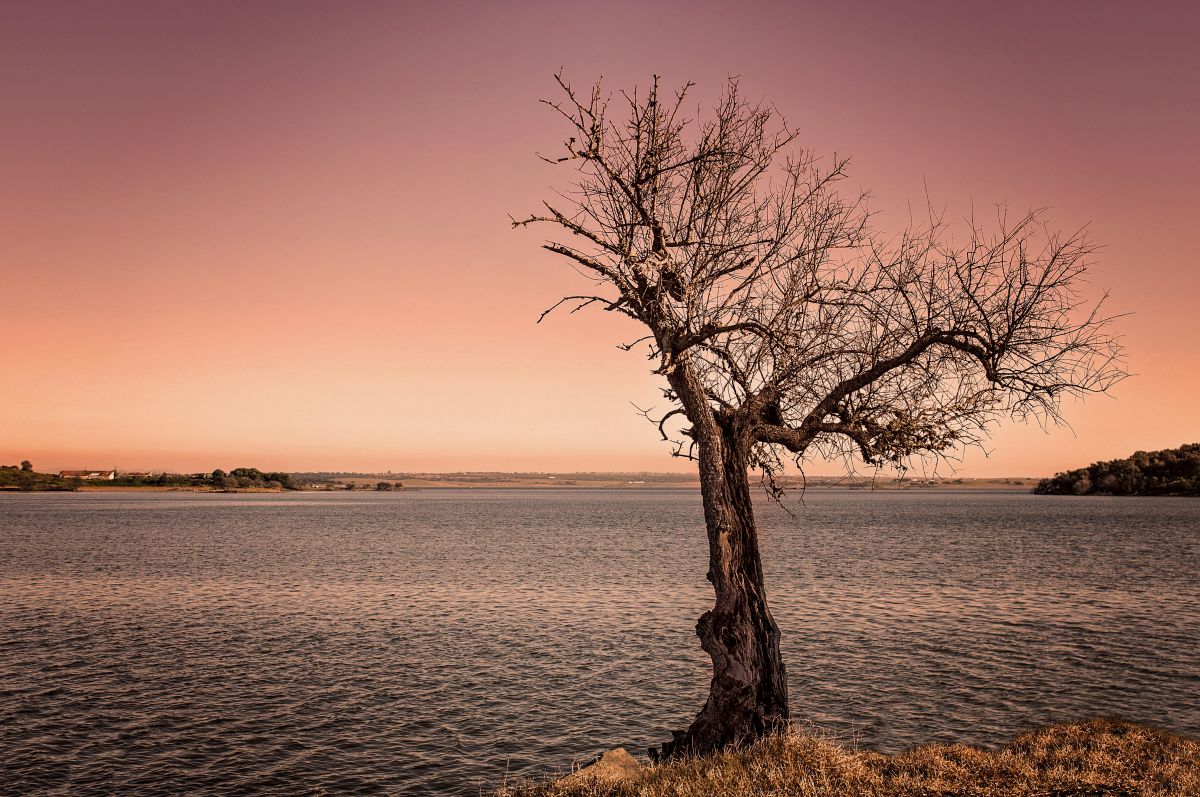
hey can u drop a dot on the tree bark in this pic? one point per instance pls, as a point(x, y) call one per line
point(748, 693)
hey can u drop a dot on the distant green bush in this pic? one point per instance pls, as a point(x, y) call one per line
point(242, 478)
point(1173, 471)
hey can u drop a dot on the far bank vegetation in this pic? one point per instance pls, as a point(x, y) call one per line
point(1173, 471)
point(24, 477)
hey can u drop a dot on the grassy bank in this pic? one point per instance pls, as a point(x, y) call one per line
point(1100, 757)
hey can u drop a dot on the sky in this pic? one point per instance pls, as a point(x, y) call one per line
point(275, 234)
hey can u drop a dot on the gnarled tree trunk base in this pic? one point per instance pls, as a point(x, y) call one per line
point(748, 692)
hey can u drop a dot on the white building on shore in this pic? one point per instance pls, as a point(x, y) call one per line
point(89, 475)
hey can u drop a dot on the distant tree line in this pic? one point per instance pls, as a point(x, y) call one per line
point(1173, 471)
point(152, 480)
point(24, 477)
point(241, 478)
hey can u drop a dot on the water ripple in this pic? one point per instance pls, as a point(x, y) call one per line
point(433, 642)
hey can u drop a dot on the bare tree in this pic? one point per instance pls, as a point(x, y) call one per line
point(786, 328)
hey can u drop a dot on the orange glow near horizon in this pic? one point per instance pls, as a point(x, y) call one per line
point(276, 234)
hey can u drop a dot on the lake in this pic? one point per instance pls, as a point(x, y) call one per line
point(440, 641)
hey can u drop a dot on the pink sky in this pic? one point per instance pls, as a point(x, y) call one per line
point(275, 234)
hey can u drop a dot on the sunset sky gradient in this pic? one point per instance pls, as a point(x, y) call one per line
point(276, 234)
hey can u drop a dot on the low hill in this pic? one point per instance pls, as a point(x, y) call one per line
point(24, 477)
point(1173, 471)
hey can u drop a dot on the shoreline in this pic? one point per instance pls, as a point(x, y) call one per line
point(414, 485)
point(1101, 756)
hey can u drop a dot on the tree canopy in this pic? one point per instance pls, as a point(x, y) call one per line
point(739, 252)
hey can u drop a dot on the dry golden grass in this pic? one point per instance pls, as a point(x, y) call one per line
point(1100, 757)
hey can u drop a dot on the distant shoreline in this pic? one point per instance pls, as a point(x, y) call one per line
point(366, 484)
point(252, 480)
point(600, 482)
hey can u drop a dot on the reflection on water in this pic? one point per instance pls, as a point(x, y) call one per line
point(431, 642)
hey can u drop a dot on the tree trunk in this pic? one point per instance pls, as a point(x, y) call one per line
point(748, 694)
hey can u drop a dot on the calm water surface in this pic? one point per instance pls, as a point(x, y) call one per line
point(436, 642)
